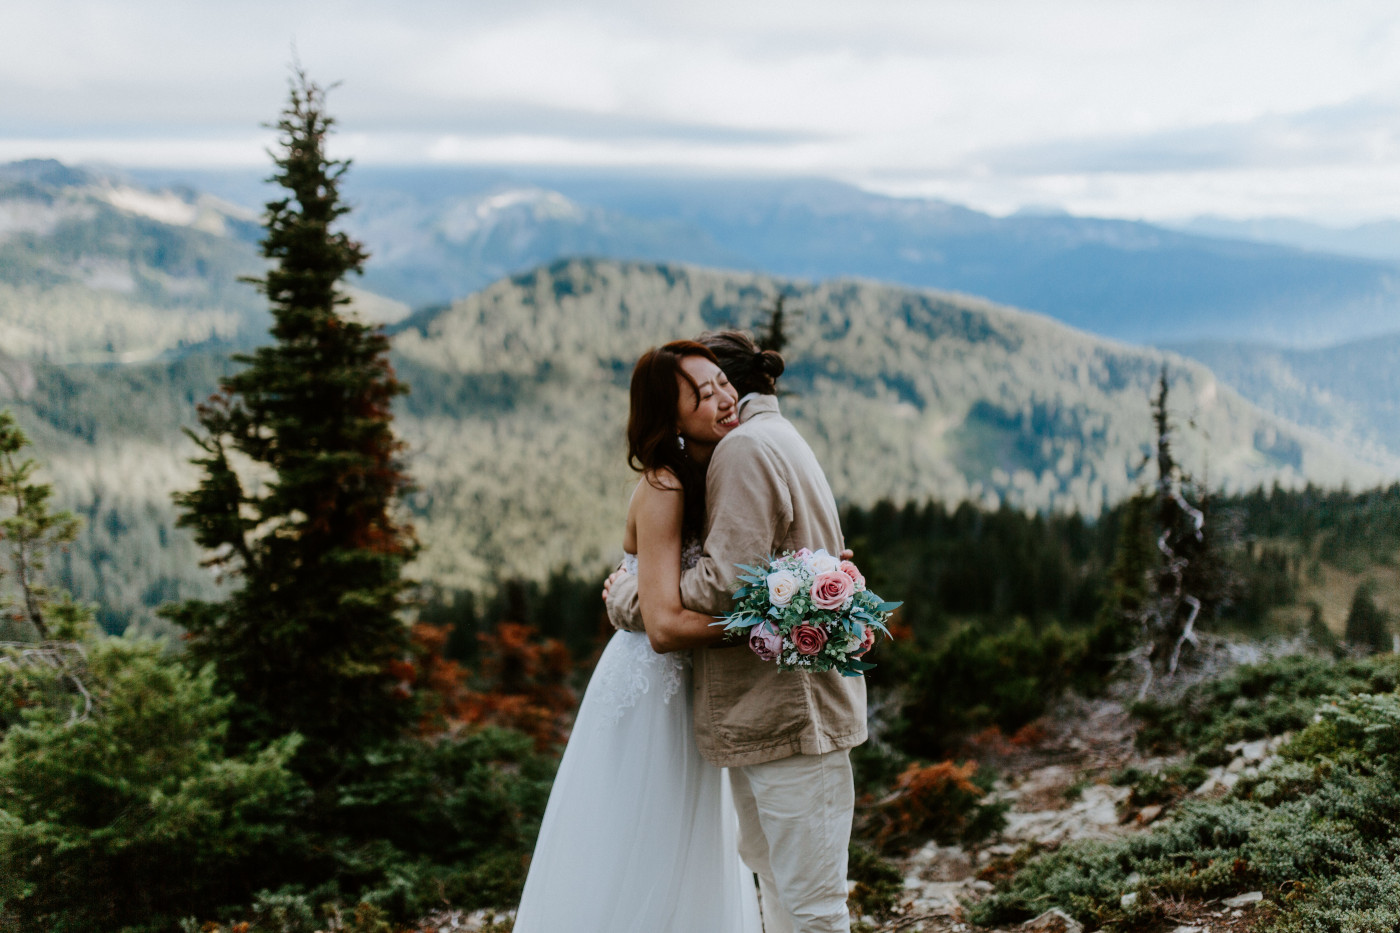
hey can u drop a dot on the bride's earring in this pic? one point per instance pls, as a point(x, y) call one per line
point(680, 441)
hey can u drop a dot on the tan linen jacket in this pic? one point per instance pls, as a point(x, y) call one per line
point(766, 494)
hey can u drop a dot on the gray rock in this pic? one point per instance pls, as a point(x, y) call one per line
point(1053, 920)
point(1244, 900)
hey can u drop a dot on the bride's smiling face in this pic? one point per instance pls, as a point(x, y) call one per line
point(713, 413)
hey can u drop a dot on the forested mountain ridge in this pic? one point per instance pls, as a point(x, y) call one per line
point(904, 395)
point(519, 397)
point(1350, 392)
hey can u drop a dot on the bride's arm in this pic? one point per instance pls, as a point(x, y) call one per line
point(669, 625)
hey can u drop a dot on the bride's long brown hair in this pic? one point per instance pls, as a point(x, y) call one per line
point(652, 441)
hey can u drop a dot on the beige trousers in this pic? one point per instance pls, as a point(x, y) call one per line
point(794, 830)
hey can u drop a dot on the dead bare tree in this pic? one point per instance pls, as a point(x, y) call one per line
point(1188, 578)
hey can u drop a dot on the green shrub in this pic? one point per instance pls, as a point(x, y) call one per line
point(978, 679)
point(1160, 787)
point(134, 815)
point(137, 816)
point(1255, 701)
point(421, 821)
point(879, 883)
point(943, 801)
point(1365, 900)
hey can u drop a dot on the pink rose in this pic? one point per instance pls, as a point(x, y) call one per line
point(808, 639)
point(852, 571)
point(867, 640)
point(765, 641)
point(803, 553)
point(830, 590)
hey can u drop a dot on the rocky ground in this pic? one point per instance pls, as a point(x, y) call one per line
point(1058, 787)
point(1059, 790)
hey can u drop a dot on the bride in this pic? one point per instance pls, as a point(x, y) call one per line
point(639, 834)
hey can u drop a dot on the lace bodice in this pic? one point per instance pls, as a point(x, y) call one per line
point(629, 668)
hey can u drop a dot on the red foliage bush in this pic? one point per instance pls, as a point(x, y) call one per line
point(521, 683)
point(928, 801)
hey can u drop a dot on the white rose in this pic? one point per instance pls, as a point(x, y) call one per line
point(782, 587)
point(821, 562)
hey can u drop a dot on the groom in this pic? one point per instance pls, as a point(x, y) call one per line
point(785, 737)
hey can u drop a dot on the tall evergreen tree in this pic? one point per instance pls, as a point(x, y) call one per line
point(1134, 560)
point(301, 475)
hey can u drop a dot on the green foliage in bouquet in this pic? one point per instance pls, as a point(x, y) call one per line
point(805, 616)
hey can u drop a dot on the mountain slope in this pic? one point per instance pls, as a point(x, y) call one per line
point(93, 268)
point(515, 422)
point(1349, 393)
point(430, 247)
point(1378, 239)
point(520, 398)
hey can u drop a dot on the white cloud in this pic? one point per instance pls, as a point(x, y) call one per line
point(1001, 99)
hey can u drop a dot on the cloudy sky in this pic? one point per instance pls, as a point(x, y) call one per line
point(1109, 107)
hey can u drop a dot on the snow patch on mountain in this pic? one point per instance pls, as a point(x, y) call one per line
point(472, 216)
point(201, 212)
point(164, 206)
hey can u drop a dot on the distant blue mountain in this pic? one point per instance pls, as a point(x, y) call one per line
point(1378, 239)
point(440, 233)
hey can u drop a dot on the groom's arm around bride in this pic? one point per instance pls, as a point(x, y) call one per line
point(785, 736)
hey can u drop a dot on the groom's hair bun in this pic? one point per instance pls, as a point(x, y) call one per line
point(770, 362)
point(749, 367)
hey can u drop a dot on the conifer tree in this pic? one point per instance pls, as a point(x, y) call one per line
point(44, 634)
point(301, 476)
point(1134, 560)
point(1368, 625)
point(29, 531)
point(774, 337)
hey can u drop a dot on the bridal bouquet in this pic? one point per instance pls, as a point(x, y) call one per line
point(808, 611)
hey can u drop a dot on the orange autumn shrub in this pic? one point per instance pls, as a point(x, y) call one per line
point(938, 801)
point(521, 683)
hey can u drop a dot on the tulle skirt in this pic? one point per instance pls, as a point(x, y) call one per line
point(640, 832)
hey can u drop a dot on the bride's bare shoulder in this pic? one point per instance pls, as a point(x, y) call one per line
point(659, 481)
point(658, 493)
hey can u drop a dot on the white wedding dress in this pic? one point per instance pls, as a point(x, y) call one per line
point(640, 832)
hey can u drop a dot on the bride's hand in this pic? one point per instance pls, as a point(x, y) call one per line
point(607, 584)
point(848, 554)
